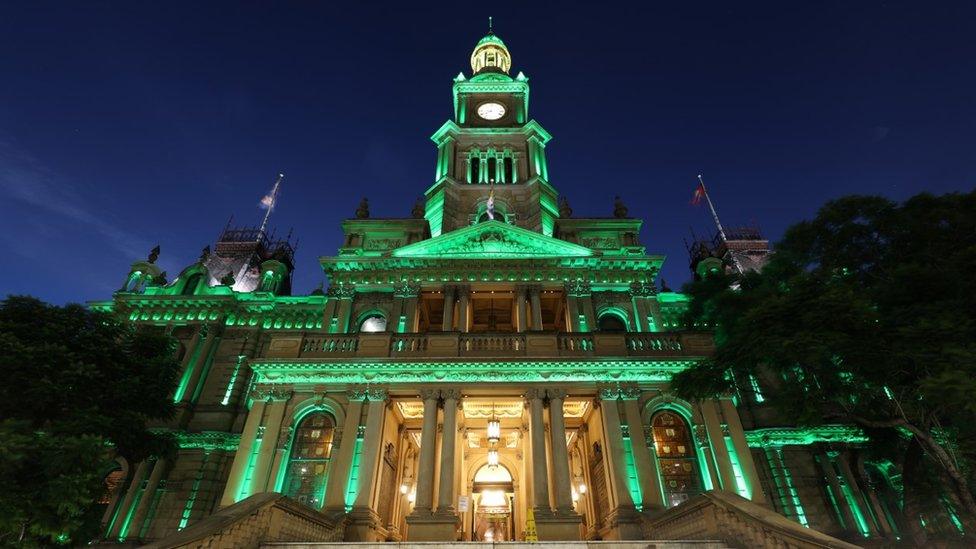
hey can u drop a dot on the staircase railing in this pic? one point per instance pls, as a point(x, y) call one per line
point(265, 517)
point(736, 521)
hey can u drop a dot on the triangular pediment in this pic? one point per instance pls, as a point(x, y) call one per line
point(492, 239)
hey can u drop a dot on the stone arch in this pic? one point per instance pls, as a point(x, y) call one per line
point(373, 312)
point(614, 312)
point(297, 413)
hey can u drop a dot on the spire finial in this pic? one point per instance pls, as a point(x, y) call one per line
point(490, 31)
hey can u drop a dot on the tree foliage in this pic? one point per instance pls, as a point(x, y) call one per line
point(79, 388)
point(865, 314)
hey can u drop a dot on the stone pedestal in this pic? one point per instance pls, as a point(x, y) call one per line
point(559, 527)
point(364, 525)
point(623, 524)
point(432, 527)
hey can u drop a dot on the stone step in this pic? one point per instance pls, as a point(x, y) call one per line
point(648, 544)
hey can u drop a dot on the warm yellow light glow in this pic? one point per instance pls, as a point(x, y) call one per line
point(494, 499)
point(404, 488)
point(494, 430)
point(493, 457)
point(582, 488)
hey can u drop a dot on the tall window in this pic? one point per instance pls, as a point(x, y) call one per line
point(308, 463)
point(492, 163)
point(675, 456)
point(475, 170)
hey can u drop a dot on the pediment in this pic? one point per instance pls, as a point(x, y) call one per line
point(492, 239)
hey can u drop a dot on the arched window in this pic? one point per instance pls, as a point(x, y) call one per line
point(475, 170)
point(190, 287)
point(509, 171)
point(308, 462)
point(675, 457)
point(492, 171)
point(611, 322)
point(135, 283)
point(373, 323)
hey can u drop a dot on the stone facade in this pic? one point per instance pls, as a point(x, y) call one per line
point(488, 369)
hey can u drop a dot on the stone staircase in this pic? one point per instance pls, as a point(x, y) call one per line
point(662, 544)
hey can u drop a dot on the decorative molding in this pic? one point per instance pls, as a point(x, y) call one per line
point(205, 440)
point(804, 436)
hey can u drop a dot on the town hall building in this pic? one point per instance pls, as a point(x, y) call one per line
point(488, 368)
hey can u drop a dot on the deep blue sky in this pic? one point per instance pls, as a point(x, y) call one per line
point(128, 124)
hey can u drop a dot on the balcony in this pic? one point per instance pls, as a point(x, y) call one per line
point(318, 345)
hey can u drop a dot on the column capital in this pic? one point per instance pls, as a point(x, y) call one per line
point(577, 288)
point(406, 289)
point(374, 394)
point(642, 289)
point(609, 393)
point(272, 392)
point(342, 291)
point(557, 393)
point(451, 394)
point(429, 394)
point(535, 393)
point(357, 393)
point(630, 392)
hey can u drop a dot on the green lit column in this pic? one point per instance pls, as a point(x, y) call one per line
point(614, 438)
point(746, 462)
point(369, 464)
point(839, 496)
point(405, 306)
point(868, 527)
point(425, 468)
point(142, 508)
point(515, 168)
point(561, 482)
point(242, 459)
point(448, 320)
point(274, 413)
point(537, 436)
point(346, 294)
point(187, 364)
point(647, 467)
point(335, 490)
point(213, 334)
point(573, 308)
point(122, 517)
point(720, 452)
point(329, 322)
point(534, 292)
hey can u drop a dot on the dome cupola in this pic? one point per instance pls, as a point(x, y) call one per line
point(490, 55)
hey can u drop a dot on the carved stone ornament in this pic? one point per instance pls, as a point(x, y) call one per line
point(609, 393)
point(452, 394)
point(631, 392)
point(578, 288)
point(430, 394)
point(642, 289)
point(342, 291)
point(406, 289)
point(153, 254)
point(357, 393)
point(535, 393)
point(619, 209)
point(556, 394)
point(375, 394)
point(362, 212)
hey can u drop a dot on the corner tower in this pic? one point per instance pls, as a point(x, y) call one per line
point(491, 146)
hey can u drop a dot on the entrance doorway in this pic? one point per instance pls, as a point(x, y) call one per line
point(494, 505)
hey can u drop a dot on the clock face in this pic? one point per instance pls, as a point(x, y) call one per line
point(491, 111)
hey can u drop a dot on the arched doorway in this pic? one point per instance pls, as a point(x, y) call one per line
point(494, 505)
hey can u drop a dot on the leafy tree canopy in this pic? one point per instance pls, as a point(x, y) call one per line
point(78, 389)
point(865, 315)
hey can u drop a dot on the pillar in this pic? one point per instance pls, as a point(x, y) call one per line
point(448, 323)
point(345, 295)
point(521, 311)
point(537, 435)
point(463, 294)
point(243, 455)
point(648, 472)
point(335, 488)
point(445, 497)
point(371, 451)
point(562, 483)
point(536, 307)
point(572, 308)
point(746, 462)
point(834, 484)
point(274, 413)
point(425, 468)
point(213, 337)
point(142, 509)
point(134, 483)
point(615, 448)
point(716, 438)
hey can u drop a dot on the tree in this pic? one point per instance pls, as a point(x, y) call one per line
point(78, 389)
point(865, 315)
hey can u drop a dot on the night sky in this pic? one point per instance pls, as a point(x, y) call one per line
point(129, 124)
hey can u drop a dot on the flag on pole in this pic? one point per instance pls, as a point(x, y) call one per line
point(268, 200)
point(699, 194)
point(490, 205)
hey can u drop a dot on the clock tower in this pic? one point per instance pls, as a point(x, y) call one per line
point(491, 146)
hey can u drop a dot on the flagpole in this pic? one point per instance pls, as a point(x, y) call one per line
point(274, 198)
point(721, 231)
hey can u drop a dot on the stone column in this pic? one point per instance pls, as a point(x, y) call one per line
point(536, 307)
point(425, 467)
point(345, 295)
point(134, 484)
point(716, 438)
point(275, 412)
point(572, 309)
point(372, 443)
point(521, 311)
point(463, 295)
point(406, 293)
point(448, 324)
point(537, 434)
point(834, 483)
point(335, 490)
point(615, 448)
point(243, 455)
point(213, 338)
point(562, 483)
point(578, 301)
point(845, 468)
point(139, 516)
point(445, 497)
point(746, 462)
point(648, 472)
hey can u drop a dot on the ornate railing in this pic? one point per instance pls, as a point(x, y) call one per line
point(456, 344)
point(736, 521)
